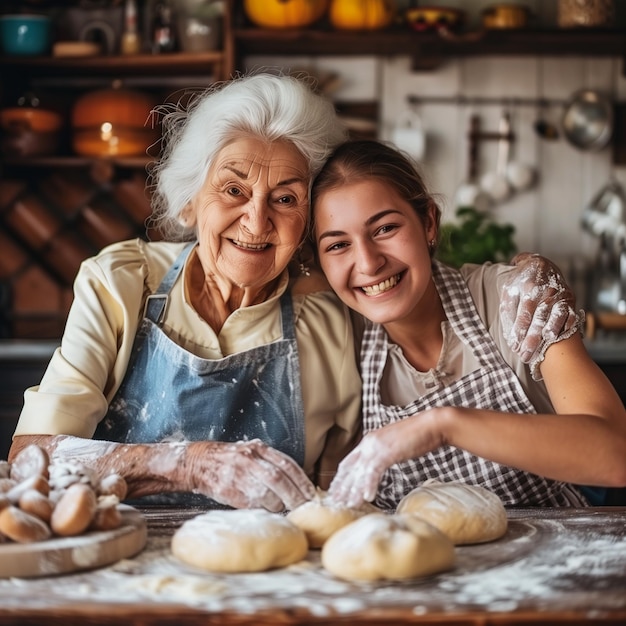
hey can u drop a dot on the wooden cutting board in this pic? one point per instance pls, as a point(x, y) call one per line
point(62, 555)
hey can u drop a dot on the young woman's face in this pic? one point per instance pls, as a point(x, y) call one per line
point(373, 248)
point(252, 211)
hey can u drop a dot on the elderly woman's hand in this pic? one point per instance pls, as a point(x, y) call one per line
point(246, 474)
point(536, 305)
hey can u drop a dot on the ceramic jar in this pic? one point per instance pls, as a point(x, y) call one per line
point(585, 13)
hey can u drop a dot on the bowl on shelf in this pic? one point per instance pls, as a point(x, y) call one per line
point(432, 18)
point(29, 131)
point(25, 35)
point(33, 118)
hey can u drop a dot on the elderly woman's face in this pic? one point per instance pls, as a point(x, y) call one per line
point(252, 211)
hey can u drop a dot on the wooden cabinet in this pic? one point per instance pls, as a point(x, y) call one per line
point(56, 210)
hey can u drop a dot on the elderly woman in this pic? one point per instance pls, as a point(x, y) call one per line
point(195, 366)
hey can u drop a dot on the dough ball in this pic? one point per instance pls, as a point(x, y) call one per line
point(319, 518)
point(36, 482)
point(387, 547)
point(245, 540)
point(113, 485)
point(30, 461)
point(21, 526)
point(465, 513)
point(74, 510)
point(107, 515)
point(5, 469)
point(37, 504)
point(6, 484)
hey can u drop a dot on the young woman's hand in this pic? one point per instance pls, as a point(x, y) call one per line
point(359, 474)
point(247, 474)
point(536, 305)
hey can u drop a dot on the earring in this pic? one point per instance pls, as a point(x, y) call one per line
point(431, 244)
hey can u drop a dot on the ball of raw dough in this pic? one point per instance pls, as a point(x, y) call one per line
point(465, 513)
point(319, 518)
point(387, 547)
point(245, 540)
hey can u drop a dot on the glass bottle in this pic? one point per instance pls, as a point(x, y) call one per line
point(130, 43)
point(163, 35)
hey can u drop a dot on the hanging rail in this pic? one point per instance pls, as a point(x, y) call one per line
point(484, 101)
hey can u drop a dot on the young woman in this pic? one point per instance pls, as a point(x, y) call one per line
point(443, 395)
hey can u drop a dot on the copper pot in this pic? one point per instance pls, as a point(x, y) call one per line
point(29, 131)
point(113, 122)
point(506, 16)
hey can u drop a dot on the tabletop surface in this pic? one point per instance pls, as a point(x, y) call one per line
point(553, 566)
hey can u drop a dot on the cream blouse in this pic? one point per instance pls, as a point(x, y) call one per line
point(110, 290)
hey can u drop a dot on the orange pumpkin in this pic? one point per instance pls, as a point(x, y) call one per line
point(284, 13)
point(362, 14)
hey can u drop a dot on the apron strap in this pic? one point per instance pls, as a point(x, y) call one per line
point(156, 302)
point(286, 313)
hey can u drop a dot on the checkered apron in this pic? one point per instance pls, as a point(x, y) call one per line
point(493, 386)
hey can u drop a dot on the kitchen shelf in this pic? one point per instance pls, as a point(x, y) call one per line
point(75, 162)
point(145, 64)
point(428, 50)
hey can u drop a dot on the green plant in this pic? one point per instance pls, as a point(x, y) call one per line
point(475, 238)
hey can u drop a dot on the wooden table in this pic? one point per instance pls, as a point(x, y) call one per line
point(554, 566)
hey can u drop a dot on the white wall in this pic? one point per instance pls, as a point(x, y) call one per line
point(547, 216)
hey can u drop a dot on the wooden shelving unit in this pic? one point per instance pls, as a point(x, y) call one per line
point(428, 49)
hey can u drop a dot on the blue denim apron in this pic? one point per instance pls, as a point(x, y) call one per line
point(169, 394)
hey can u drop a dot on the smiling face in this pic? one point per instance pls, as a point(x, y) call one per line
point(373, 248)
point(251, 213)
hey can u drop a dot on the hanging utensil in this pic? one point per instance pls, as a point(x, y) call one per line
point(409, 134)
point(543, 126)
point(521, 175)
point(588, 120)
point(469, 193)
point(496, 183)
point(606, 212)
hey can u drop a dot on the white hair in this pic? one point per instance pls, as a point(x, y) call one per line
point(268, 106)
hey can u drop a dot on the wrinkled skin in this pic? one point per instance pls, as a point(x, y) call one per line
point(536, 305)
point(245, 474)
point(249, 475)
